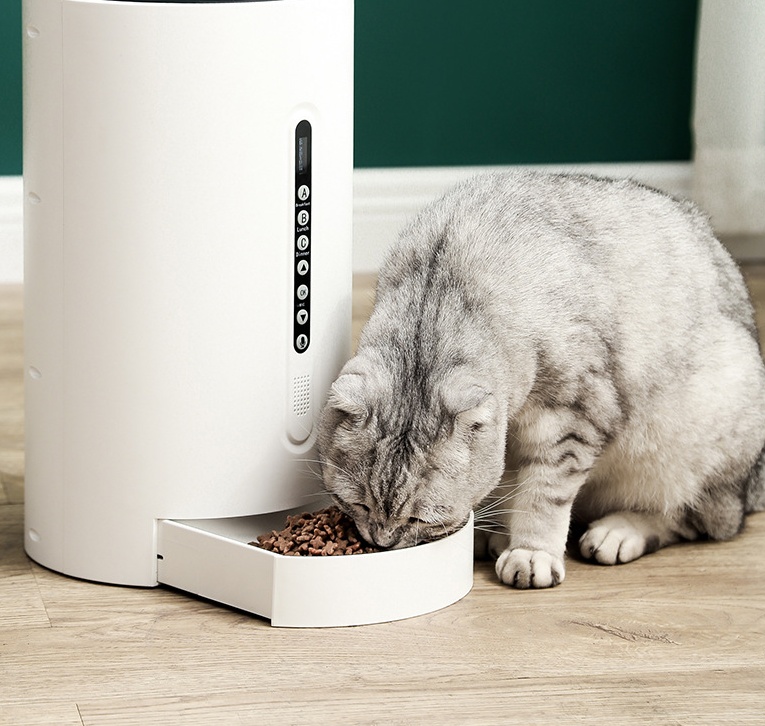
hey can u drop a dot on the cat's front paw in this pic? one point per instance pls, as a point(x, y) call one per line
point(615, 540)
point(530, 568)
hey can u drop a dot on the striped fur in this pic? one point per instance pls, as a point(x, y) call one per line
point(589, 335)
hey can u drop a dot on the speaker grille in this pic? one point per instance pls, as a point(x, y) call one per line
point(301, 395)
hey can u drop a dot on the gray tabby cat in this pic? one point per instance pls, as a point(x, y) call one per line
point(595, 329)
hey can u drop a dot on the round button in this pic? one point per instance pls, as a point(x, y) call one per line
point(302, 292)
point(303, 192)
point(302, 242)
point(302, 267)
point(302, 317)
point(301, 341)
point(303, 217)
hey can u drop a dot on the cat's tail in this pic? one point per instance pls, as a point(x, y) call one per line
point(755, 486)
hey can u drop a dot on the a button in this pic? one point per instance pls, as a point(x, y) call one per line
point(302, 242)
point(303, 217)
point(301, 341)
point(302, 317)
point(302, 292)
point(303, 192)
point(302, 267)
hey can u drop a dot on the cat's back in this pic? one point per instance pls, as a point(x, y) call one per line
point(525, 215)
point(572, 241)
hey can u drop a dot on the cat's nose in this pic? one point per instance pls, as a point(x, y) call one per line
point(384, 536)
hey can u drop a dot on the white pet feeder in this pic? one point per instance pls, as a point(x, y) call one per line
point(188, 192)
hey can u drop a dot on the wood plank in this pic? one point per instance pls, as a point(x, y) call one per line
point(21, 604)
point(530, 701)
point(43, 713)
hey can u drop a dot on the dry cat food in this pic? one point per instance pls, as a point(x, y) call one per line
point(326, 532)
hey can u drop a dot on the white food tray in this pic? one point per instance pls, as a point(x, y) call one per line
point(212, 558)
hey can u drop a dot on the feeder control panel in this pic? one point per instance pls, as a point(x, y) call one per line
point(299, 395)
point(301, 310)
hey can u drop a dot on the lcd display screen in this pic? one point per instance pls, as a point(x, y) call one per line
point(303, 155)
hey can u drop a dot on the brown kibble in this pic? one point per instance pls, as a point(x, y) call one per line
point(327, 532)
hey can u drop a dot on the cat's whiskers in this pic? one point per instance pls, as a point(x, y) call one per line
point(318, 474)
point(509, 480)
point(313, 472)
point(495, 505)
point(494, 511)
point(492, 530)
point(513, 436)
point(499, 500)
point(489, 517)
point(321, 493)
point(325, 463)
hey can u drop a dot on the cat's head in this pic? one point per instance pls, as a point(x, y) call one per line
point(408, 459)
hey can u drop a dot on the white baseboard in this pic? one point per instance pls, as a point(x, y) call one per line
point(384, 200)
point(11, 230)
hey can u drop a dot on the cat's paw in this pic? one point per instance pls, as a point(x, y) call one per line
point(613, 541)
point(530, 568)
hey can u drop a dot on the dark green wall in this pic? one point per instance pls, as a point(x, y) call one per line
point(523, 81)
point(450, 82)
point(10, 87)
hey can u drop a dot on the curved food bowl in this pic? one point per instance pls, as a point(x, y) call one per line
point(212, 558)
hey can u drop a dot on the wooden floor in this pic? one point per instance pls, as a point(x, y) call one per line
point(675, 638)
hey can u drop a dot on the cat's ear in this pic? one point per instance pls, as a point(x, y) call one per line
point(462, 393)
point(348, 397)
point(469, 402)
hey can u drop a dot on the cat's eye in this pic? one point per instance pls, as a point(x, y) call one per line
point(476, 426)
point(355, 421)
